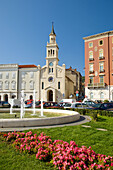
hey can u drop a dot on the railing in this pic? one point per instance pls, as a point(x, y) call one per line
point(96, 85)
point(91, 72)
point(101, 57)
point(102, 71)
point(91, 59)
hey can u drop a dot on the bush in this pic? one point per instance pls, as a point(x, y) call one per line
point(106, 101)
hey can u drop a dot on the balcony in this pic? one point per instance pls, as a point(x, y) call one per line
point(101, 57)
point(102, 71)
point(91, 71)
point(91, 59)
point(97, 85)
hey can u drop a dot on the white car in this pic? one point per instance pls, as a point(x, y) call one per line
point(76, 105)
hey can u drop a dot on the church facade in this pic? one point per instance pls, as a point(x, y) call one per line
point(51, 82)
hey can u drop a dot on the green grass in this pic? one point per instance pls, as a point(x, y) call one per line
point(29, 115)
point(10, 159)
point(102, 122)
point(100, 141)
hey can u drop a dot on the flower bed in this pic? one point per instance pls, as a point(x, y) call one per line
point(62, 155)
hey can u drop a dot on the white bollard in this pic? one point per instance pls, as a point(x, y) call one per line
point(42, 107)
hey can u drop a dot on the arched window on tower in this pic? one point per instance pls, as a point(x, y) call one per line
point(51, 52)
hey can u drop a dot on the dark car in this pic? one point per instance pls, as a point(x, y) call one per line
point(4, 104)
point(103, 106)
point(51, 105)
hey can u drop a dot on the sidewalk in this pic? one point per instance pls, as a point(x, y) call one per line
point(82, 120)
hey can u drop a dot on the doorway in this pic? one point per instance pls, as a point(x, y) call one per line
point(50, 96)
point(6, 98)
point(31, 97)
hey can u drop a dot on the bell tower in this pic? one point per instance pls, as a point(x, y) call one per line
point(52, 49)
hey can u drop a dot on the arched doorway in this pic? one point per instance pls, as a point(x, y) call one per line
point(50, 95)
point(6, 97)
point(31, 97)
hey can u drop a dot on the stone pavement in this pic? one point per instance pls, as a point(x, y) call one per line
point(82, 120)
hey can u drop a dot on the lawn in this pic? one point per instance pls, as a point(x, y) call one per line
point(100, 141)
point(29, 115)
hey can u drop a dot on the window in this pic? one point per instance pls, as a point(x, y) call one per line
point(13, 75)
point(91, 80)
point(101, 65)
point(112, 51)
point(6, 85)
point(31, 85)
point(7, 75)
point(91, 95)
point(0, 75)
point(101, 42)
point(91, 68)
point(91, 55)
point(112, 39)
point(31, 74)
point(49, 70)
point(58, 85)
point(101, 54)
point(48, 52)
point(1, 85)
point(50, 79)
point(23, 85)
point(53, 52)
point(42, 85)
point(101, 79)
point(13, 85)
point(90, 44)
point(52, 70)
point(101, 95)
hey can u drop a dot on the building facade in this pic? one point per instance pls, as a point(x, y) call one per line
point(99, 66)
point(50, 82)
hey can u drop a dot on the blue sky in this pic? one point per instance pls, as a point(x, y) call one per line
point(25, 26)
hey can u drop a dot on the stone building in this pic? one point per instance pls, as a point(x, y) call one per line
point(51, 82)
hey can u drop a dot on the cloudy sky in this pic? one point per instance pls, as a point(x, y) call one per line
point(25, 26)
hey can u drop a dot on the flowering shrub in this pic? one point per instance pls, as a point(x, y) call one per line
point(62, 155)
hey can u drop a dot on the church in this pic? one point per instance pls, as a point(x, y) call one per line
point(51, 82)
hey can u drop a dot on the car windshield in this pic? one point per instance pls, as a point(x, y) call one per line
point(97, 105)
point(68, 104)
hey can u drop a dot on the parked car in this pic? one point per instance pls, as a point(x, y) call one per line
point(4, 104)
point(28, 105)
point(76, 106)
point(103, 106)
point(28, 101)
point(53, 105)
point(89, 103)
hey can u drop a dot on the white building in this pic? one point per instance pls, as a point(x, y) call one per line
point(51, 82)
